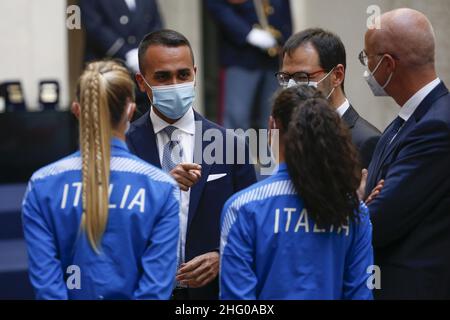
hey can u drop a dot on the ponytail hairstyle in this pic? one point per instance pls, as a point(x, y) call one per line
point(105, 88)
point(321, 159)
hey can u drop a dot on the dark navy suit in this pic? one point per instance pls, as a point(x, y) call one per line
point(112, 29)
point(411, 215)
point(206, 198)
point(364, 135)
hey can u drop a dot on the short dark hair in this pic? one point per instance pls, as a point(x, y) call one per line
point(164, 37)
point(328, 45)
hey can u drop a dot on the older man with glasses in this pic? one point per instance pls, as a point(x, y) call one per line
point(409, 176)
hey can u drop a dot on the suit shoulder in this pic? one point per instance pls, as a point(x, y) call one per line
point(367, 128)
point(364, 132)
point(440, 110)
point(139, 123)
point(208, 123)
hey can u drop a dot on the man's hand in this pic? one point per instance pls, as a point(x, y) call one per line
point(186, 174)
point(375, 192)
point(362, 186)
point(199, 271)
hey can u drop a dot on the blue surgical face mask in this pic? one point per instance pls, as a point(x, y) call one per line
point(173, 101)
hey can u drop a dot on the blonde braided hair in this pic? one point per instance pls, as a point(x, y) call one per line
point(105, 88)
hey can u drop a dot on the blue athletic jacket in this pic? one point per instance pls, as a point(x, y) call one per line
point(271, 249)
point(139, 247)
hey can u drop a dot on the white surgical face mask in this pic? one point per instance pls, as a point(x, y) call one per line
point(314, 84)
point(291, 84)
point(377, 89)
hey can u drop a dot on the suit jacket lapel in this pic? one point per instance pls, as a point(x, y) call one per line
point(350, 117)
point(196, 191)
point(144, 140)
point(421, 110)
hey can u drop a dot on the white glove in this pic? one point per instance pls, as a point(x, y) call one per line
point(261, 38)
point(132, 60)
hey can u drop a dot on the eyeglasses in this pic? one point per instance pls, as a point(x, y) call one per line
point(298, 77)
point(364, 58)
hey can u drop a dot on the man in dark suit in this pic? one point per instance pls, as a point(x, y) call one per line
point(249, 40)
point(410, 210)
point(317, 58)
point(174, 137)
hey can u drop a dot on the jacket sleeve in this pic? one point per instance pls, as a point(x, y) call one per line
point(45, 268)
point(238, 280)
point(359, 259)
point(99, 33)
point(412, 184)
point(159, 261)
point(367, 149)
point(235, 27)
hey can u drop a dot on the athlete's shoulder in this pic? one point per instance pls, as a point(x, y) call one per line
point(271, 187)
point(135, 165)
point(69, 163)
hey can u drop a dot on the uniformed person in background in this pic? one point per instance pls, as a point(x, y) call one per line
point(114, 29)
point(101, 223)
point(302, 233)
point(252, 33)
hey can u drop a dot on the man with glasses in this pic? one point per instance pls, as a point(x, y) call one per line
point(411, 212)
point(316, 57)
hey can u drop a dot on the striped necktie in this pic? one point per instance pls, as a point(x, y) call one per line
point(172, 152)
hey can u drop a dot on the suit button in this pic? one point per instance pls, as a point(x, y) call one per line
point(131, 40)
point(124, 19)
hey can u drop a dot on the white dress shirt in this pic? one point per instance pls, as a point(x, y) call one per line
point(343, 108)
point(186, 136)
point(131, 4)
point(411, 105)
